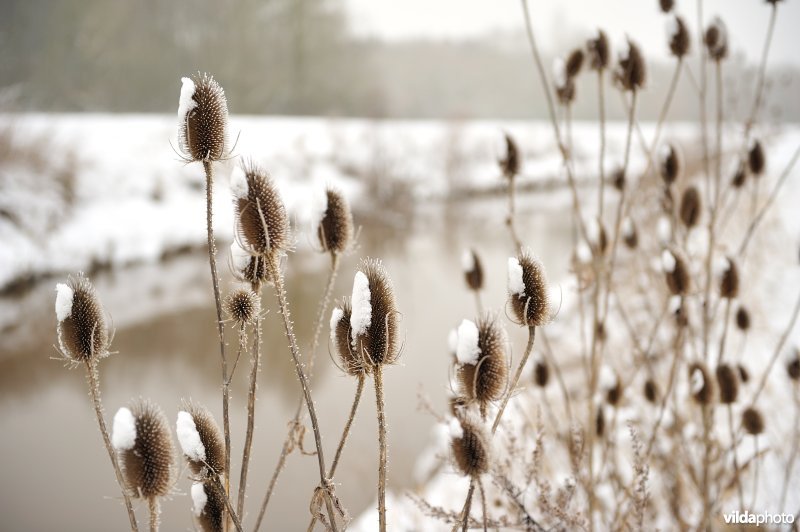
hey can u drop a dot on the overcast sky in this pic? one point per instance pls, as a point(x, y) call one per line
point(641, 19)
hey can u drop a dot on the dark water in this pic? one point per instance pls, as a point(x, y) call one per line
point(56, 472)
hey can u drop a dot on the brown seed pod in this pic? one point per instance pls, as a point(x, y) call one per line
point(471, 446)
point(527, 290)
point(340, 337)
point(756, 159)
point(511, 163)
point(208, 506)
point(742, 319)
point(374, 317)
point(666, 5)
point(727, 383)
point(671, 164)
point(752, 421)
point(600, 421)
point(473, 269)
point(678, 280)
point(740, 177)
point(691, 207)
point(744, 375)
point(202, 119)
point(629, 234)
point(82, 329)
point(335, 229)
point(701, 386)
point(729, 284)
point(631, 72)
point(541, 373)
point(716, 40)
point(143, 442)
point(483, 360)
point(650, 391)
point(679, 40)
point(793, 366)
point(574, 63)
point(200, 439)
point(618, 179)
point(566, 92)
point(262, 223)
point(243, 306)
point(598, 51)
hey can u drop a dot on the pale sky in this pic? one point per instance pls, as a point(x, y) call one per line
point(642, 20)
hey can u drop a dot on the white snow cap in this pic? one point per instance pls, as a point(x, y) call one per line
point(199, 498)
point(186, 102)
point(64, 295)
point(664, 230)
point(668, 261)
point(189, 438)
point(318, 207)
point(361, 314)
point(467, 261)
point(672, 26)
point(336, 316)
point(559, 71)
point(123, 431)
point(240, 259)
point(697, 381)
point(515, 283)
point(608, 379)
point(627, 227)
point(455, 429)
point(452, 341)
point(593, 231)
point(584, 253)
point(239, 186)
point(467, 350)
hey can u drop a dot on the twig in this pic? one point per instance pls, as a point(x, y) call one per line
point(383, 450)
point(251, 415)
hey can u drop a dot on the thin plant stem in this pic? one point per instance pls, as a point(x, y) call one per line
point(478, 303)
point(483, 506)
point(755, 473)
point(94, 389)
point(778, 348)
point(511, 213)
point(724, 331)
point(601, 105)
point(548, 352)
point(794, 451)
point(736, 478)
point(464, 521)
point(513, 384)
point(153, 506)
point(227, 500)
point(251, 416)
point(382, 446)
point(761, 72)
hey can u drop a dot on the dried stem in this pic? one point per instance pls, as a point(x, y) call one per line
point(511, 213)
point(601, 105)
point(512, 386)
point(251, 415)
point(735, 458)
point(154, 507)
point(382, 457)
point(227, 500)
point(761, 72)
point(464, 516)
point(794, 451)
point(483, 506)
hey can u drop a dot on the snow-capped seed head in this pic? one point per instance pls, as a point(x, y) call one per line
point(668, 261)
point(483, 356)
point(598, 51)
point(756, 159)
point(679, 40)
point(700, 385)
point(208, 507)
point(729, 284)
point(262, 222)
point(199, 498)
point(148, 464)
point(541, 373)
point(248, 268)
point(691, 207)
point(467, 349)
point(752, 421)
point(243, 306)
point(664, 230)
point(473, 269)
point(629, 234)
point(374, 321)
point(740, 177)
point(340, 337)
point(566, 92)
point(574, 62)
point(671, 164)
point(529, 299)
point(335, 227)
point(454, 428)
point(82, 330)
point(472, 449)
point(677, 274)
point(742, 319)
point(666, 5)
point(202, 119)
point(716, 39)
point(610, 384)
point(596, 233)
point(200, 439)
point(728, 384)
point(631, 72)
point(511, 162)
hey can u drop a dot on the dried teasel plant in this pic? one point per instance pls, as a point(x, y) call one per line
point(248, 268)
point(201, 440)
point(701, 385)
point(334, 221)
point(471, 448)
point(691, 207)
point(208, 507)
point(631, 73)
point(473, 274)
point(262, 224)
point(671, 167)
point(679, 40)
point(482, 361)
point(243, 306)
point(716, 40)
point(510, 166)
point(728, 384)
point(677, 273)
point(756, 159)
point(598, 51)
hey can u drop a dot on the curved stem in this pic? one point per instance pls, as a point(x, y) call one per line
point(762, 72)
point(251, 415)
point(483, 506)
point(227, 500)
point(513, 384)
point(511, 213)
point(383, 451)
point(464, 521)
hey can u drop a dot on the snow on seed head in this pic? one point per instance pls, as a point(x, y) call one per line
point(82, 330)
point(202, 119)
point(467, 350)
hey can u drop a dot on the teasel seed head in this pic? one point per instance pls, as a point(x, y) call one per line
point(650, 391)
point(262, 223)
point(574, 63)
point(374, 327)
point(677, 273)
point(740, 177)
point(596, 233)
point(793, 366)
point(756, 159)
point(82, 330)
point(248, 268)
point(742, 319)
point(629, 234)
point(618, 179)
point(471, 445)
point(728, 384)
point(566, 92)
point(243, 306)
point(701, 386)
point(335, 225)
point(631, 72)
point(666, 5)
point(473, 269)
point(600, 421)
point(144, 445)
point(671, 164)
point(679, 40)
point(201, 440)
point(208, 506)
point(752, 421)
point(202, 119)
point(691, 207)
point(511, 163)
point(716, 39)
point(340, 337)
point(729, 284)
point(541, 373)
point(527, 290)
point(483, 360)
point(598, 51)
point(611, 385)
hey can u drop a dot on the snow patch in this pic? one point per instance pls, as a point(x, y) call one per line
point(123, 430)
point(199, 498)
point(189, 438)
point(318, 208)
point(336, 317)
point(515, 283)
point(240, 259)
point(559, 71)
point(455, 429)
point(186, 102)
point(628, 228)
point(668, 261)
point(467, 261)
point(467, 350)
point(64, 296)
point(361, 315)
point(593, 231)
point(239, 187)
point(608, 379)
point(664, 230)
point(697, 381)
point(583, 253)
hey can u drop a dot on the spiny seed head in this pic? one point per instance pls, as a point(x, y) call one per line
point(679, 40)
point(729, 284)
point(574, 63)
point(666, 5)
point(486, 380)
point(335, 230)
point(671, 164)
point(740, 177)
point(598, 239)
point(598, 51)
point(752, 421)
point(631, 72)
point(473, 270)
point(262, 222)
point(650, 391)
point(793, 366)
point(144, 445)
point(510, 164)
point(677, 273)
point(208, 506)
point(541, 373)
point(201, 440)
point(527, 287)
point(742, 319)
point(728, 384)
point(377, 341)
point(691, 207)
point(202, 119)
point(566, 92)
point(340, 336)
point(716, 40)
point(243, 306)
point(756, 159)
point(248, 268)
point(82, 329)
point(701, 386)
point(471, 446)
point(744, 375)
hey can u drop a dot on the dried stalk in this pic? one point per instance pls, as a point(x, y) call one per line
point(251, 415)
point(512, 386)
point(153, 506)
point(382, 457)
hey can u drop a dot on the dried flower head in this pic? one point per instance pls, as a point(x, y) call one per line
point(740, 177)
point(671, 164)
point(744, 375)
point(200, 439)
point(208, 506)
point(752, 421)
point(729, 284)
point(756, 159)
point(527, 290)
point(82, 329)
point(340, 337)
point(202, 119)
point(629, 234)
point(650, 390)
point(631, 72)
point(511, 163)
point(677, 273)
point(742, 319)
point(541, 373)
point(248, 268)
point(565, 92)
point(143, 442)
point(728, 384)
point(262, 222)
point(701, 387)
point(614, 392)
point(335, 226)
point(598, 51)
point(618, 179)
point(596, 234)
point(793, 366)
point(679, 40)
point(374, 330)
point(691, 207)
point(716, 39)
point(473, 269)
point(243, 306)
point(574, 63)
point(600, 421)
point(471, 446)
point(483, 360)
point(666, 5)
